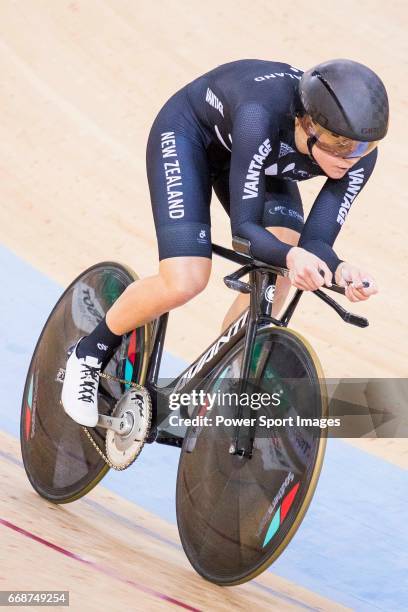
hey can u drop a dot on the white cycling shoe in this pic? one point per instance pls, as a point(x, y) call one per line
point(79, 395)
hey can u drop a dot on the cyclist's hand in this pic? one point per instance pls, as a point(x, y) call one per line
point(352, 278)
point(304, 270)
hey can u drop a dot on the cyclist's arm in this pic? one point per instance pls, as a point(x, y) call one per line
point(330, 210)
point(253, 139)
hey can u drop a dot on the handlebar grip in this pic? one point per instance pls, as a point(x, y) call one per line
point(349, 317)
point(366, 284)
point(341, 290)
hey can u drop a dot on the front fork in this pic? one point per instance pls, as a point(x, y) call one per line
point(263, 286)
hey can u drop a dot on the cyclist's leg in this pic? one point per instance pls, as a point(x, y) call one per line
point(283, 216)
point(178, 280)
point(180, 190)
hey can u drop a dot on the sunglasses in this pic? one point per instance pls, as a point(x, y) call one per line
point(334, 144)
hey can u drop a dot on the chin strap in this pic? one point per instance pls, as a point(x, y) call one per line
point(310, 142)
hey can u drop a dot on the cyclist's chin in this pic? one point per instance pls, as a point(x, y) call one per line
point(334, 167)
point(335, 172)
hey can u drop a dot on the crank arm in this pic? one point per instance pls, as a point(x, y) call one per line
point(119, 426)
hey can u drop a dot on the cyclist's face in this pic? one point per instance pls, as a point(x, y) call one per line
point(335, 167)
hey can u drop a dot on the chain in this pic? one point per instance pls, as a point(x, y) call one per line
point(116, 379)
point(94, 444)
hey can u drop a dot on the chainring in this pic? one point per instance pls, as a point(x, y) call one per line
point(134, 405)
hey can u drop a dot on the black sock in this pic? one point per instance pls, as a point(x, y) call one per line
point(101, 343)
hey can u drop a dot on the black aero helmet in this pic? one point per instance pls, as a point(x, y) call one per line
point(346, 98)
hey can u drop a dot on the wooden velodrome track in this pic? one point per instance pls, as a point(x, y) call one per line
point(81, 82)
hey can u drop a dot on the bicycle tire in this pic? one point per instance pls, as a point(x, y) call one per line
point(227, 505)
point(60, 462)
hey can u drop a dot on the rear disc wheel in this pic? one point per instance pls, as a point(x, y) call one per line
point(59, 459)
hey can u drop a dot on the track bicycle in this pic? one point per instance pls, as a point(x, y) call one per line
point(243, 485)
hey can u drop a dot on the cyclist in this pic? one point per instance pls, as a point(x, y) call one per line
point(250, 130)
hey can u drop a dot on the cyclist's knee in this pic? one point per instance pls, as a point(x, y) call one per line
point(285, 234)
point(182, 290)
point(289, 236)
point(184, 280)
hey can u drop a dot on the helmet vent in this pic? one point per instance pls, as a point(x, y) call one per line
point(331, 92)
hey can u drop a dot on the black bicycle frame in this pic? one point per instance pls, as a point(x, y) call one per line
point(261, 286)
